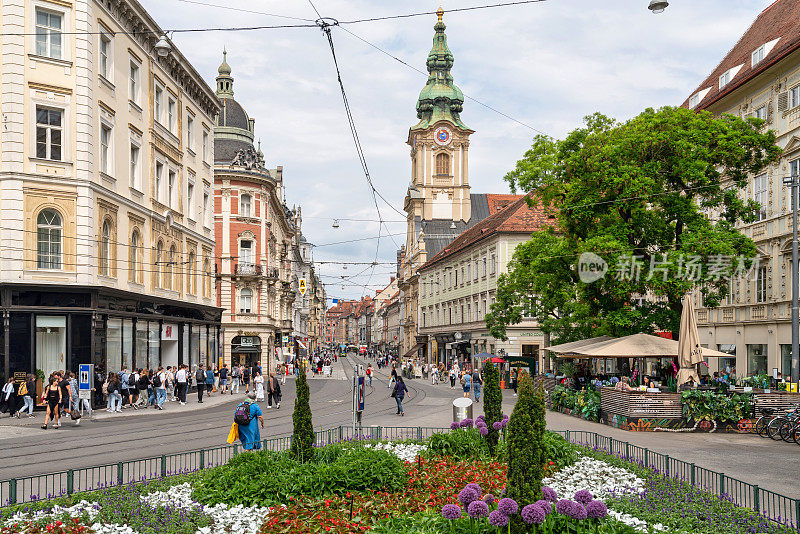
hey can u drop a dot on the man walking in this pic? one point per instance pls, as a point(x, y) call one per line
point(477, 382)
point(273, 392)
point(200, 376)
point(160, 384)
point(171, 385)
point(236, 374)
point(182, 382)
point(246, 379)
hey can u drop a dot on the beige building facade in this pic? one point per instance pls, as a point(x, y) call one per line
point(760, 77)
point(105, 188)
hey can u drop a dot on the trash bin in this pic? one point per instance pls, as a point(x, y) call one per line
point(462, 409)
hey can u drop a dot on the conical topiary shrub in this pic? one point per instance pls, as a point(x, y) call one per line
point(303, 433)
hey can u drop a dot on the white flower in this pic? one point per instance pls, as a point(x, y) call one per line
point(407, 452)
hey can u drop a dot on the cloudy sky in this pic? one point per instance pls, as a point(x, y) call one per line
point(545, 64)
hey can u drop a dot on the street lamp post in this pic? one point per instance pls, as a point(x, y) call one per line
point(793, 182)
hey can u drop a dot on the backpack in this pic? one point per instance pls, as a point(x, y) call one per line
point(200, 376)
point(242, 415)
point(476, 378)
point(235, 372)
point(23, 389)
point(157, 380)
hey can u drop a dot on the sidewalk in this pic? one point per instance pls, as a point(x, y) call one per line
point(101, 414)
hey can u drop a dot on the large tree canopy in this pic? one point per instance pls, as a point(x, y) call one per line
point(657, 198)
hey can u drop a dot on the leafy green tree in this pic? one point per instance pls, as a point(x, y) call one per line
point(657, 198)
point(526, 444)
point(303, 433)
point(492, 403)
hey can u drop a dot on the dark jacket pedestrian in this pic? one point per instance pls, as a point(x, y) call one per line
point(399, 394)
point(273, 391)
point(200, 376)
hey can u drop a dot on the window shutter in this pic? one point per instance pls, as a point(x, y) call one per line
point(783, 101)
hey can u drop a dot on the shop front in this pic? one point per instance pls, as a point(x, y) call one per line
point(246, 350)
point(48, 329)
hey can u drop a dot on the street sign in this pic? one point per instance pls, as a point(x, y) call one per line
point(358, 397)
point(301, 284)
point(360, 394)
point(85, 380)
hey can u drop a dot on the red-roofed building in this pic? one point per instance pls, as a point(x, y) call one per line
point(457, 287)
point(759, 77)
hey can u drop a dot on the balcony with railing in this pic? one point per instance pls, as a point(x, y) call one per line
point(247, 269)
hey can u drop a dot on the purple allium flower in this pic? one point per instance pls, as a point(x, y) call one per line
point(466, 423)
point(549, 494)
point(563, 506)
point(497, 425)
point(467, 495)
point(533, 514)
point(508, 506)
point(498, 519)
point(483, 430)
point(546, 506)
point(577, 511)
point(481, 418)
point(488, 498)
point(505, 418)
point(584, 496)
point(454, 426)
point(478, 509)
point(596, 510)
point(451, 511)
point(476, 488)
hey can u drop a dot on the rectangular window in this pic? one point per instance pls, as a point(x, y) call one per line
point(205, 206)
point(469, 313)
point(756, 359)
point(48, 133)
point(48, 34)
point(157, 185)
point(171, 114)
point(105, 149)
point(761, 284)
point(205, 145)
point(456, 275)
point(244, 205)
point(483, 266)
point(760, 188)
point(136, 179)
point(170, 187)
point(469, 268)
point(158, 103)
point(134, 82)
point(476, 269)
point(190, 198)
point(724, 79)
point(493, 265)
point(794, 96)
point(761, 113)
point(757, 56)
point(105, 56)
point(694, 100)
point(190, 132)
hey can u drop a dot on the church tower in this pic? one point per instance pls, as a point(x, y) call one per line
point(439, 143)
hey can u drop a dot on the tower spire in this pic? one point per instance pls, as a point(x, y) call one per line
point(224, 78)
point(440, 99)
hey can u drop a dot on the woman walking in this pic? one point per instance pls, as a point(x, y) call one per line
point(399, 394)
point(465, 382)
point(28, 394)
point(452, 378)
point(10, 398)
point(258, 386)
point(52, 397)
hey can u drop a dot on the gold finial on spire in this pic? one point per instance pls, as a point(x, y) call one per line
point(440, 12)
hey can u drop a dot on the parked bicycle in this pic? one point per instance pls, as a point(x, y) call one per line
point(785, 426)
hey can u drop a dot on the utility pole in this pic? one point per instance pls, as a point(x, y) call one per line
point(793, 182)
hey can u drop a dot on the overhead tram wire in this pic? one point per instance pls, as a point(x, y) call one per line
point(454, 10)
point(231, 8)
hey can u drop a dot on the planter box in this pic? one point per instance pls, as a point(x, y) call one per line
point(675, 424)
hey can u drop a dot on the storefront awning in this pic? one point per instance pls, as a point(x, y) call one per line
point(413, 350)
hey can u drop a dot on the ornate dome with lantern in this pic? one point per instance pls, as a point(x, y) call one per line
point(234, 130)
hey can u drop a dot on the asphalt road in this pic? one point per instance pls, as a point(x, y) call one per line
point(27, 450)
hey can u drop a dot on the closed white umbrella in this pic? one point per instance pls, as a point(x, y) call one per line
point(689, 351)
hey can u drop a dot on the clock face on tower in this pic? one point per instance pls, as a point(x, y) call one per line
point(442, 136)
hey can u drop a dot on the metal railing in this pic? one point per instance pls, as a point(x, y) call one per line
point(772, 505)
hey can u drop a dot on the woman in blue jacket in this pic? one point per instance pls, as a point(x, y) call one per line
point(400, 390)
point(209, 380)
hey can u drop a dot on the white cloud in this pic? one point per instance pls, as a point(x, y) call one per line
point(546, 64)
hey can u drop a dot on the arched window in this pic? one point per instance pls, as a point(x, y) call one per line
point(133, 261)
point(170, 269)
point(442, 163)
point(190, 283)
point(244, 205)
point(159, 264)
point(48, 240)
point(245, 301)
point(105, 248)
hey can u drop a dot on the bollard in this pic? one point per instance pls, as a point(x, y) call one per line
point(163, 466)
point(419, 433)
point(12, 491)
point(722, 484)
point(70, 482)
point(202, 458)
point(378, 433)
point(627, 450)
point(646, 457)
point(691, 476)
point(666, 464)
point(119, 473)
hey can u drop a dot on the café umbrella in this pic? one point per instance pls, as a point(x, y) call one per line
point(689, 351)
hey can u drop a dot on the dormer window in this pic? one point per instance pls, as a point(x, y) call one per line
point(694, 100)
point(724, 79)
point(757, 55)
